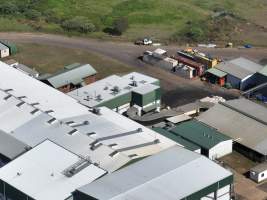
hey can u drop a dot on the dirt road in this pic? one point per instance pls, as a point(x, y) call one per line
point(176, 90)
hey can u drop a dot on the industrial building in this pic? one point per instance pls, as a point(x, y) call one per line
point(119, 93)
point(175, 173)
point(4, 51)
point(238, 72)
point(71, 77)
point(108, 138)
point(199, 137)
point(213, 143)
point(259, 172)
point(48, 171)
point(245, 122)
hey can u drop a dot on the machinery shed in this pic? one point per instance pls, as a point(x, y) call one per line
point(173, 174)
point(240, 72)
point(245, 122)
point(213, 143)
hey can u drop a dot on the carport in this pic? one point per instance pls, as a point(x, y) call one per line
point(216, 76)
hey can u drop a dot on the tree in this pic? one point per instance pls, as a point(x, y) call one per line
point(8, 8)
point(120, 25)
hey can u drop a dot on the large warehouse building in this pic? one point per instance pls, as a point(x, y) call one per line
point(110, 139)
point(184, 175)
point(245, 122)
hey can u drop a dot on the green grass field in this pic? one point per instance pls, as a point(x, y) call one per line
point(49, 59)
point(161, 19)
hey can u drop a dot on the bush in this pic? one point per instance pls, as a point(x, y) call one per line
point(192, 32)
point(195, 33)
point(33, 14)
point(120, 25)
point(80, 24)
point(8, 8)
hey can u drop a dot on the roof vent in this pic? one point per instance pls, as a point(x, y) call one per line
point(99, 97)
point(72, 132)
point(96, 111)
point(77, 167)
point(34, 111)
point(20, 104)
point(132, 78)
point(88, 98)
point(115, 89)
point(106, 88)
point(51, 121)
point(134, 84)
point(7, 97)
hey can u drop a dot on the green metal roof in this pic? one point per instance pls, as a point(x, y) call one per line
point(264, 71)
point(216, 72)
point(178, 139)
point(74, 74)
point(199, 133)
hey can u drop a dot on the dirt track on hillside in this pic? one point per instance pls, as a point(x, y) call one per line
point(176, 90)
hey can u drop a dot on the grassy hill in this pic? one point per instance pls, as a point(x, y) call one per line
point(172, 20)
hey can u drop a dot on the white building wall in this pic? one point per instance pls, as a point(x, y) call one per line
point(258, 177)
point(222, 194)
point(4, 53)
point(157, 103)
point(220, 150)
point(208, 197)
point(123, 108)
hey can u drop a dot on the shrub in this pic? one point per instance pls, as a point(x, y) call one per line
point(120, 25)
point(80, 24)
point(32, 14)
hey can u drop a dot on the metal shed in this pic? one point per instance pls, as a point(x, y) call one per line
point(213, 143)
point(175, 173)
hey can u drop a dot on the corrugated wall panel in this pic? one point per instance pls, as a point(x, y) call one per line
point(118, 101)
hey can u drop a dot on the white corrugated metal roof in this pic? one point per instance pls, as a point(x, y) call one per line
point(102, 91)
point(112, 129)
point(39, 172)
point(242, 122)
point(170, 175)
point(32, 126)
point(74, 75)
point(10, 147)
point(38, 92)
point(247, 64)
point(140, 77)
